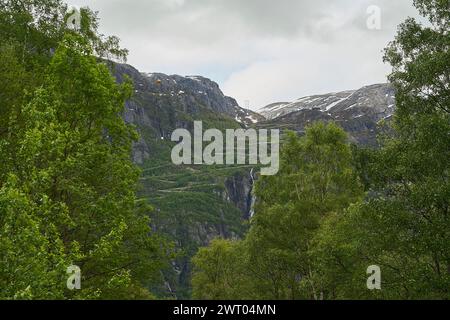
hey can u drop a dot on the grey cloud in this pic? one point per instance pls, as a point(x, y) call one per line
point(240, 42)
point(203, 20)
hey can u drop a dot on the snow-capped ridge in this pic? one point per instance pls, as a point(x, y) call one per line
point(380, 97)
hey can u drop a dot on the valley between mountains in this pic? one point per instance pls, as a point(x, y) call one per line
point(195, 204)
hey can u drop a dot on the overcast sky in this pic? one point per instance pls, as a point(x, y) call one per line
point(262, 51)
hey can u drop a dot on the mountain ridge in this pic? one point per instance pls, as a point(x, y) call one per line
point(325, 102)
point(195, 204)
point(358, 112)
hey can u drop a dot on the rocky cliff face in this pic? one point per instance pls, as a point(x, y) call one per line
point(239, 189)
point(163, 103)
point(358, 111)
point(193, 204)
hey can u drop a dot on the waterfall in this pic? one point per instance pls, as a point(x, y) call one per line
point(253, 197)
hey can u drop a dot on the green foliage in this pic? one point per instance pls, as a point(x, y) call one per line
point(316, 180)
point(38, 26)
point(221, 271)
point(67, 183)
point(403, 226)
point(14, 81)
point(32, 262)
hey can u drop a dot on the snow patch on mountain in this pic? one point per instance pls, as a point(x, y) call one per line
point(379, 98)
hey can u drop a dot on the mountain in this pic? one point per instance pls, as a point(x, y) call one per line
point(358, 112)
point(194, 204)
point(247, 117)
